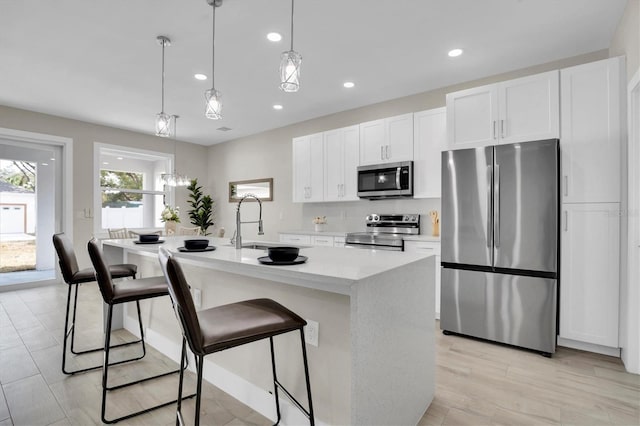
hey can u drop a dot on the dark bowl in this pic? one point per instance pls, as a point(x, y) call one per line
point(148, 238)
point(196, 244)
point(283, 254)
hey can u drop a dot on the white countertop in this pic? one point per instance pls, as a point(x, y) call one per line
point(428, 238)
point(327, 268)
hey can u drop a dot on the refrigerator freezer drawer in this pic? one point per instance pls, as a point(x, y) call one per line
point(512, 309)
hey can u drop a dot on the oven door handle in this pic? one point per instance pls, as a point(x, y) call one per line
point(398, 178)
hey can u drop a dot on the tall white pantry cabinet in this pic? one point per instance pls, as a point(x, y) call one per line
point(590, 143)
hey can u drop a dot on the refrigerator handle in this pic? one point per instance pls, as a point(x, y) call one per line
point(489, 189)
point(496, 207)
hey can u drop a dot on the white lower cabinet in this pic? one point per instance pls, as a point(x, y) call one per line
point(317, 240)
point(339, 241)
point(589, 274)
point(295, 239)
point(430, 247)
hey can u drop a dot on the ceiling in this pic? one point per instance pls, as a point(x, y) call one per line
point(99, 62)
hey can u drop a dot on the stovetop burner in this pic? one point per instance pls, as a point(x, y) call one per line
point(385, 231)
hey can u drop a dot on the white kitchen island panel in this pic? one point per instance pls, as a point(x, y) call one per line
point(375, 362)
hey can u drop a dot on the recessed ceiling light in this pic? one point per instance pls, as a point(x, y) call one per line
point(455, 52)
point(52, 159)
point(349, 84)
point(119, 158)
point(277, 106)
point(44, 164)
point(200, 77)
point(274, 37)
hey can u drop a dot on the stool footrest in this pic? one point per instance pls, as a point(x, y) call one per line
point(146, 410)
point(135, 382)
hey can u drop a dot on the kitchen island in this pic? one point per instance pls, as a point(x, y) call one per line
point(375, 358)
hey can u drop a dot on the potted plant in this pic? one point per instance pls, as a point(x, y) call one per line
point(201, 213)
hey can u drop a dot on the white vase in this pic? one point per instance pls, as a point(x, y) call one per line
point(319, 227)
point(170, 227)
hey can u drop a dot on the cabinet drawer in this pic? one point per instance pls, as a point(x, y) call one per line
point(339, 241)
point(422, 246)
point(322, 241)
point(295, 239)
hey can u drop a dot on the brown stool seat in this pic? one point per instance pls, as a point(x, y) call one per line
point(142, 288)
point(74, 276)
point(227, 326)
point(235, 324)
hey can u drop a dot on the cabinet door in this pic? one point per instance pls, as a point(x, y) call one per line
point(589, 277)
point(322, 241)
point(399, 138)
point(429, 139)
point(333, 165)
point(372, 142)
point(295, 239)
point(308, 173)
point(301, 175)
point(351, 152)
point(590, 140)
point(529, 108)
point(472, 116)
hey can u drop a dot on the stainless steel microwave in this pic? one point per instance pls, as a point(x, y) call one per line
point(386, 180)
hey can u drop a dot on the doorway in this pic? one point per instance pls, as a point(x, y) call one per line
point(32, 207)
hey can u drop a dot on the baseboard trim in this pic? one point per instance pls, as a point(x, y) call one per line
point(589, 347)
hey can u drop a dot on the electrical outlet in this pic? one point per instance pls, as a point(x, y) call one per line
point(197, 297)
point(311, 331)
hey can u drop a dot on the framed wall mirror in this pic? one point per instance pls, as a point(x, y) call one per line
point(261, 188)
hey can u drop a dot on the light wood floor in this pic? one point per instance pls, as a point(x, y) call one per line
point(477, 383)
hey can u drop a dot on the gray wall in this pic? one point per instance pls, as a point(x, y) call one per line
point(268, 154)
point(191, 159)
point(626, 40)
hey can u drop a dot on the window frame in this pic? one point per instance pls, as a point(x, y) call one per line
point(129, 153)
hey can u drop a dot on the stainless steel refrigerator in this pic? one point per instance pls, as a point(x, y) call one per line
point(500, 243)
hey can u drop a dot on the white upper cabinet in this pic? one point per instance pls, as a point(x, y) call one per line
point(591, 131)
point(521, 110)
point(387, 140)
point(341, 157)
point(589, 277)
point(308, 169)
point(429, 139)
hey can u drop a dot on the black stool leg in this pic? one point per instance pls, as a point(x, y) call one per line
point(200, 367)
point(275, 380)
point(66, 334)
point(179, 419)
point(73, 320)
point(312, 421)
point(105, 374)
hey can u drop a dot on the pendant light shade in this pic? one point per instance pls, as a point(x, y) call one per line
point(163, 121)
point(290, 71)
point(290, 66)
point(174, 179)
point(213, 107)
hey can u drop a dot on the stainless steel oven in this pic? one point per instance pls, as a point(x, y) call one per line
point(386, 180)
point(385, 232)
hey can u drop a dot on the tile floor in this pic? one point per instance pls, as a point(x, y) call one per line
point(477, 383)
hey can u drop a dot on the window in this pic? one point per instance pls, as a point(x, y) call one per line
point(129, 191)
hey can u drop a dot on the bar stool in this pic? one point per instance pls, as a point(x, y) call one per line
point(122, 292)
point(74, 276)
point(227, 326)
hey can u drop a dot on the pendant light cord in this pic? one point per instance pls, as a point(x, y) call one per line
point(163, 44)
point(291, 24)
point(213, 46)
point(175, 143)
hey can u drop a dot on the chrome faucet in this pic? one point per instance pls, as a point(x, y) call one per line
point(236, 235)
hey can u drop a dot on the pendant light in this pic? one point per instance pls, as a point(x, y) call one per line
point(213, 108)
point(163, 120)
point(290, 66)
point(174, 179)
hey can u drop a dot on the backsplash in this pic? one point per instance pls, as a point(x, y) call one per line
point(349, 216)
